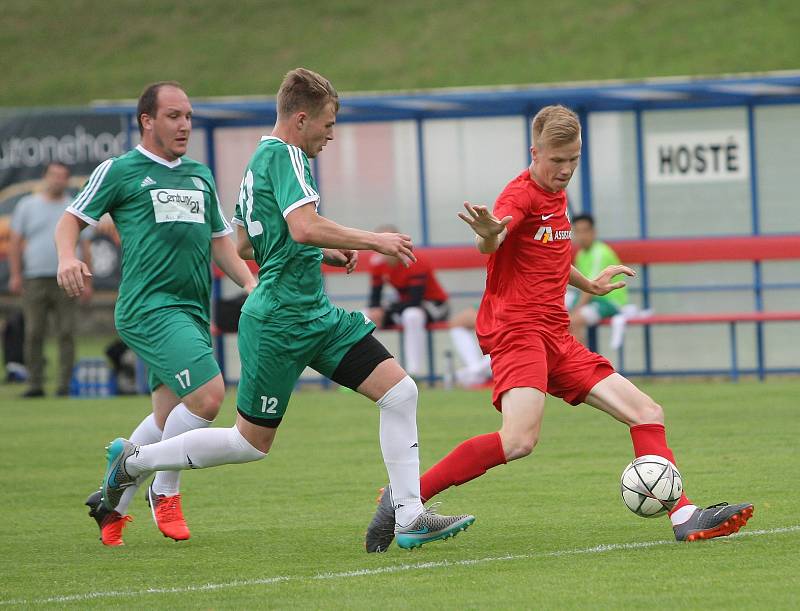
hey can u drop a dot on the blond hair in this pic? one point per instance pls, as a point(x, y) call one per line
point(305, 90)
point(555, 126)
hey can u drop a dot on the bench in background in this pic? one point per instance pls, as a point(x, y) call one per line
point(644, 254)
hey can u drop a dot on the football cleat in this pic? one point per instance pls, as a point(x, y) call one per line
point(96, 508)
point(110, 523)
point(718, 520)
point(430, 526)
point(116, 478)
point(380, 532)
point(168, 515)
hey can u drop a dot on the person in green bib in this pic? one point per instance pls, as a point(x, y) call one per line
point(288, 323)
point(592, 258)
point(171, 225)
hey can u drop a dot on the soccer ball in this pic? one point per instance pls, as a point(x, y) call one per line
point(651, 485)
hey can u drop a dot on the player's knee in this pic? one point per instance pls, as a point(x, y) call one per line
point(648, 412)
point(253, 444)
point(413, 317)
point(402, 394)
point(517, 446)
point(207, 401)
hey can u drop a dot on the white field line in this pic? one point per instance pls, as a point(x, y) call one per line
point(209, 587)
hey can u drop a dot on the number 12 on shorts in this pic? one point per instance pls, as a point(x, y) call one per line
point(183, 378)
point(269, 404)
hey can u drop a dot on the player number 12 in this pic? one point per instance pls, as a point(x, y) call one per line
point(269, 404)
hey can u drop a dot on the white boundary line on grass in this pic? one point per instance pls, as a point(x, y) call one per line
point(209, 587)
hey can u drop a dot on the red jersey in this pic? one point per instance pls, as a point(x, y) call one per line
point(407, 281)
point(526, 278)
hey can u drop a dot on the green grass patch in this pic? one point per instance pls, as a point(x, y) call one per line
point(287, 531)
point(58, 53)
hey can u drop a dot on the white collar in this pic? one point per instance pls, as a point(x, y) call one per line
point(157, 159)
point(271, 138)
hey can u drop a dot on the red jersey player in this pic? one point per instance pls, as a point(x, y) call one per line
point(421, 299)
point(523, 324)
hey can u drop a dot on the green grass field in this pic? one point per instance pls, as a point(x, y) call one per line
point(286, 532)
point(75, 51)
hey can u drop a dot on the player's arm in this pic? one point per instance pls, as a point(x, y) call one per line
point(16, 244)
point(489, 230)
point(231, 263)
point(72, 272)
point(244, 247)
point(601, 285)
point(86, 255)
point(308, 227)
point(584, 297)
point(341, 257)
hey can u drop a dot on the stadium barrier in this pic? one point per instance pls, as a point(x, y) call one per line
point(644, 253)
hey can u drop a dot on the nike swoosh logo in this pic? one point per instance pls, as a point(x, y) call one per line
point(420, 531)
point(547, 216)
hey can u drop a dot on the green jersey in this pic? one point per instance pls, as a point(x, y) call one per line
point(166, 214)
point(590, 262)
point(277, 181)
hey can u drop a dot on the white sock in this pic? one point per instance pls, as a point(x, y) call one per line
point(466, 344)
point(682, 514)
point(414, 320)
point(146, 432)
point(195, 449)
point(398, 434)
point(179, 421)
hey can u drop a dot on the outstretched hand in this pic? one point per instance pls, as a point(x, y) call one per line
point(483, 222)
point(603, 285)
point(396, 245)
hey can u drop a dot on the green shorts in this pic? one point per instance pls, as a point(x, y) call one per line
point(274, 354)
point(175, 344)
point(605, 307)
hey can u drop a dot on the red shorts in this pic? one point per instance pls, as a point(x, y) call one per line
point(562, 366)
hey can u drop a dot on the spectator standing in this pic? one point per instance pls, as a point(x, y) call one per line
point(33, 264)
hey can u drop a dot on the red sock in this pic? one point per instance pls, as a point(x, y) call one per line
point(467, 461)
point(652, 439)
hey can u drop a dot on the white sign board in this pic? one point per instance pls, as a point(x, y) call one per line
point(699, 156)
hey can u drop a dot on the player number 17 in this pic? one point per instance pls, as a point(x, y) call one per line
point(183, 378)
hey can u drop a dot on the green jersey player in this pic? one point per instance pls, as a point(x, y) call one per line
point(166, 209)
point(288, 323)
point(591, 259)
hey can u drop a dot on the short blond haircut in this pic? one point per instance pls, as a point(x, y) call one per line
point(555, 126)
point(305, 90)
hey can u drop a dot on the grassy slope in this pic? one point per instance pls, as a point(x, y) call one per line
point(58, 53)
point(302, 511)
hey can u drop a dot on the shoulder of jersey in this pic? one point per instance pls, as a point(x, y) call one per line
point(188, 162)
point(521, 189)
point(272, 146)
